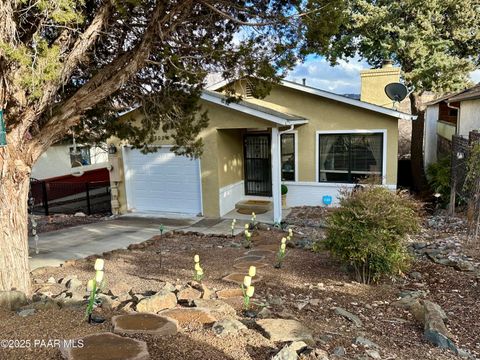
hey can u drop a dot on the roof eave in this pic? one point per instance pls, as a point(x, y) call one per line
point(346, 100)
point(251, 111)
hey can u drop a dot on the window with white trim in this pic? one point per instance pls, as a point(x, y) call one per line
point(288, 156)
point(350, 157)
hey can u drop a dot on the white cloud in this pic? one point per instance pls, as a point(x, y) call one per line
point(342, 79)
point(475, 76)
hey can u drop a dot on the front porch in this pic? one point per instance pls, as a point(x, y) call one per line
point(249, 174)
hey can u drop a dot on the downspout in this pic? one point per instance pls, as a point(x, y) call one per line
point(458, 116)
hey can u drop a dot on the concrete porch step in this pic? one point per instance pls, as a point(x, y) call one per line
point(256, 206)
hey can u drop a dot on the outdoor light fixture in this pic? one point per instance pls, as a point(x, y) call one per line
point(460, 155)
point(112, 149)
point(3, 131)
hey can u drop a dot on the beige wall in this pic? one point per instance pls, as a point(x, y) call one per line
point(328, 115)
point(373, 82)
point(222, 160)
point(230, 161)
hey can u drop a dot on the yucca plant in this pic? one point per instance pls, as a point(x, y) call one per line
point(248, 239)
point(281, 253)
point(198, 275)
point(93, 286)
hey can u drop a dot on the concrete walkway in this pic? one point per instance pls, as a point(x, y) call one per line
point(80, 241)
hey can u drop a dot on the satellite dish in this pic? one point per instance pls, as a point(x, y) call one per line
point(396, 91)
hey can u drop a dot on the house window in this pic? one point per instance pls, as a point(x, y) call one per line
point(348, 158)
point(80, 156)
point(288, 157)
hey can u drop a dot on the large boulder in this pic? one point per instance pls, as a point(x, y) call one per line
point(158, 302)
point(12, 300)
point(283, 330)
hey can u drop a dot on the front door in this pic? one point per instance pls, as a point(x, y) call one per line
point(258, 168)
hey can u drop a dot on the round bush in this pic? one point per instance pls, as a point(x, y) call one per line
point(368, 231)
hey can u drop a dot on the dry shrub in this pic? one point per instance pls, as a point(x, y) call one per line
point(368, 231)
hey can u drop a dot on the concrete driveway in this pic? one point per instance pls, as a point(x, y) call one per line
point(80, 241)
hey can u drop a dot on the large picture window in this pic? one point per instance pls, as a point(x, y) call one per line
point(347, 158)
point(288, 157)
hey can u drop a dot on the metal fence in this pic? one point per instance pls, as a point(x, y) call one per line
point(69, 197)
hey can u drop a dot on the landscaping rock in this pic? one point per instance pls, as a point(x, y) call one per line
point(227, 327)
point(42, 304)
point(168, 287)
point(339, 351)
point(188, 294)
point(190, 316)
point(158, 302)
point(229, 293)
point(71, 282)
point(218, 308)
point(349, 316)
point(374, 354)
point(145, 324)
point(107, 346)
point(12, 300)
point(360, 340)
point(26, 312)
point(51, 280)
point(435, 330)
point(286, 353)
point(283, 330)
point(320, 354)
point(265, 313)
point(464, 265)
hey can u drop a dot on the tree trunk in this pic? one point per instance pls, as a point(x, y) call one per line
point(416, 147)
point(14, 186)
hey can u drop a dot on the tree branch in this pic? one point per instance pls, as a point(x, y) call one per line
point(105, 82)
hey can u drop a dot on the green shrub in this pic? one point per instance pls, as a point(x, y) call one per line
point(284, 189)
point(368, 230)
point(438, 176)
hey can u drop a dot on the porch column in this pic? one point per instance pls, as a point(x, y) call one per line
point(276, 177)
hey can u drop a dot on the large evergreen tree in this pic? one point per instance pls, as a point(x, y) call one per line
point(436, 43)
point(68, 64)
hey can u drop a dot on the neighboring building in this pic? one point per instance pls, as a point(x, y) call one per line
point(60, 160)
point(315, 142)
point(452, 114)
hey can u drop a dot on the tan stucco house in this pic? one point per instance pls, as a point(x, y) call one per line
point(313, 141)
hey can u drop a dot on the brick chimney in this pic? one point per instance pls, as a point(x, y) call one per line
point(374, 81)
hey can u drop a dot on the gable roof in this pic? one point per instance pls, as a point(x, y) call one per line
point(332, 96)
point(256, 110)
point(472, 93)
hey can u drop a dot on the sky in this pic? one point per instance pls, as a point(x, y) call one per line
point(341, 79)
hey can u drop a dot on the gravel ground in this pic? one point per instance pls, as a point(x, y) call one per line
point(304, 276)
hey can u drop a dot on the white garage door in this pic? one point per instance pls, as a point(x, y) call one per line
point(162, 181)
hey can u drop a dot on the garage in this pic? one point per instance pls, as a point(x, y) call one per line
point(162, 182)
